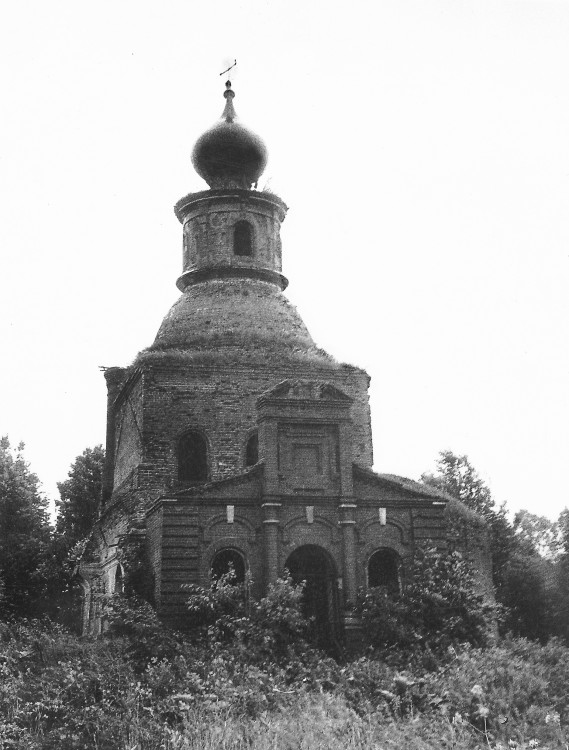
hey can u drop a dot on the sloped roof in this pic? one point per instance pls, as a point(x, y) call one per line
point(248, 474)
point(402, 483)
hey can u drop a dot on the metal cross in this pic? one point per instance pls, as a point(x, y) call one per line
point(228, 69)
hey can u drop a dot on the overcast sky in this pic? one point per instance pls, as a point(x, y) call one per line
point(423, 149)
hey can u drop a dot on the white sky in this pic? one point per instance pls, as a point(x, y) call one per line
point(423, 149)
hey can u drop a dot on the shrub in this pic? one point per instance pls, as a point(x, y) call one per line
point(146, 637)
point(270, 629)
point(59, 691)
point(438, 608)
point(516, 690)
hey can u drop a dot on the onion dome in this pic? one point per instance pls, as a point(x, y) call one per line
point(228, 155)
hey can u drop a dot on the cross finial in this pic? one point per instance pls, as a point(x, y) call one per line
point(228, 69)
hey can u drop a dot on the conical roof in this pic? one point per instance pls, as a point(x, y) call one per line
point(242, 314)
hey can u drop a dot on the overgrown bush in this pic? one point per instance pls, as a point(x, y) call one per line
point(59, 691)
point(145, 636)
point(438, 608)
point(244, 676)
point(271, 629)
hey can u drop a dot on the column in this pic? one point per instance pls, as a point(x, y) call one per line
point(352, 624)
point(348, 524)
point(271, 539)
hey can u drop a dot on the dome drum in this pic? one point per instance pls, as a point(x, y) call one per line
point(232, 231)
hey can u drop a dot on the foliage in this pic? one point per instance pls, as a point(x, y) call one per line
point(561, 606)
point(80, 497)
point(77, 510)
point(208, 351)
point(457, 477)
point(529, 594)
point(215, 610)
point(511, 689)
point(24, 534)
point(58, 691)
point(530, 557)
point(138, 574)
point(438, 608)
point(536, 535)
point(272, 628)
point(147, 637)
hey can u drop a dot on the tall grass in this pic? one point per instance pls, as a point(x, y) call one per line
point(59, 691)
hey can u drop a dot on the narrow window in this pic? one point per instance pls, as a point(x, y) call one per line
point(384, 570)
point(226, 560)
point(192, 458)
point(252, 450)
point(243, 238)
point(119, 582)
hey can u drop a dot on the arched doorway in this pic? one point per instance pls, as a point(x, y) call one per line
point(226, 560)
point(313, 565)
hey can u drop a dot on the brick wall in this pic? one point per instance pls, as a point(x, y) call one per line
point(221, 402)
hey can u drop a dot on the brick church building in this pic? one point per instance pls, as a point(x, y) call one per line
point(234, 440)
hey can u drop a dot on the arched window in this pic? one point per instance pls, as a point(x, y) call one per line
point(226, 560)
point(384, 569)
point(252, 450)
point(243, 238)
point(192, 458)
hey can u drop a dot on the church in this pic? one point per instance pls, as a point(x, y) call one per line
point(234, 441)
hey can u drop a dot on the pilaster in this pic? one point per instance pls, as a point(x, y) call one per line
point(271, 509)
point(352, 623)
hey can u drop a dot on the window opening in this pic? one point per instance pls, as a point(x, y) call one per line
point(252, 450)
point(192, 458)
point(243, 239)
point(226, 560)
point(384, 570)
point(119, 581)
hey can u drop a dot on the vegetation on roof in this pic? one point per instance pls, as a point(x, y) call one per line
point(254, 351)
point(457, 510)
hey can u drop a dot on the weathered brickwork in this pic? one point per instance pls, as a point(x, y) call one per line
point(209, 217)
point(233, 363)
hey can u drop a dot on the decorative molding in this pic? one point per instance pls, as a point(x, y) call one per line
point(287, 534)
point(221, 520)
point(364, 528)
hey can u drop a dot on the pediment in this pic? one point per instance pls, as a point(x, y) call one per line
point(306, 390)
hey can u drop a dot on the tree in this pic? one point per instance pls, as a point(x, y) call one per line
point(531, 596)
point(530, 558)
point(561, 606)
point(80, 494)
point(77, 511)
point(537, 535)
point(457, 477)
point(24, 534)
